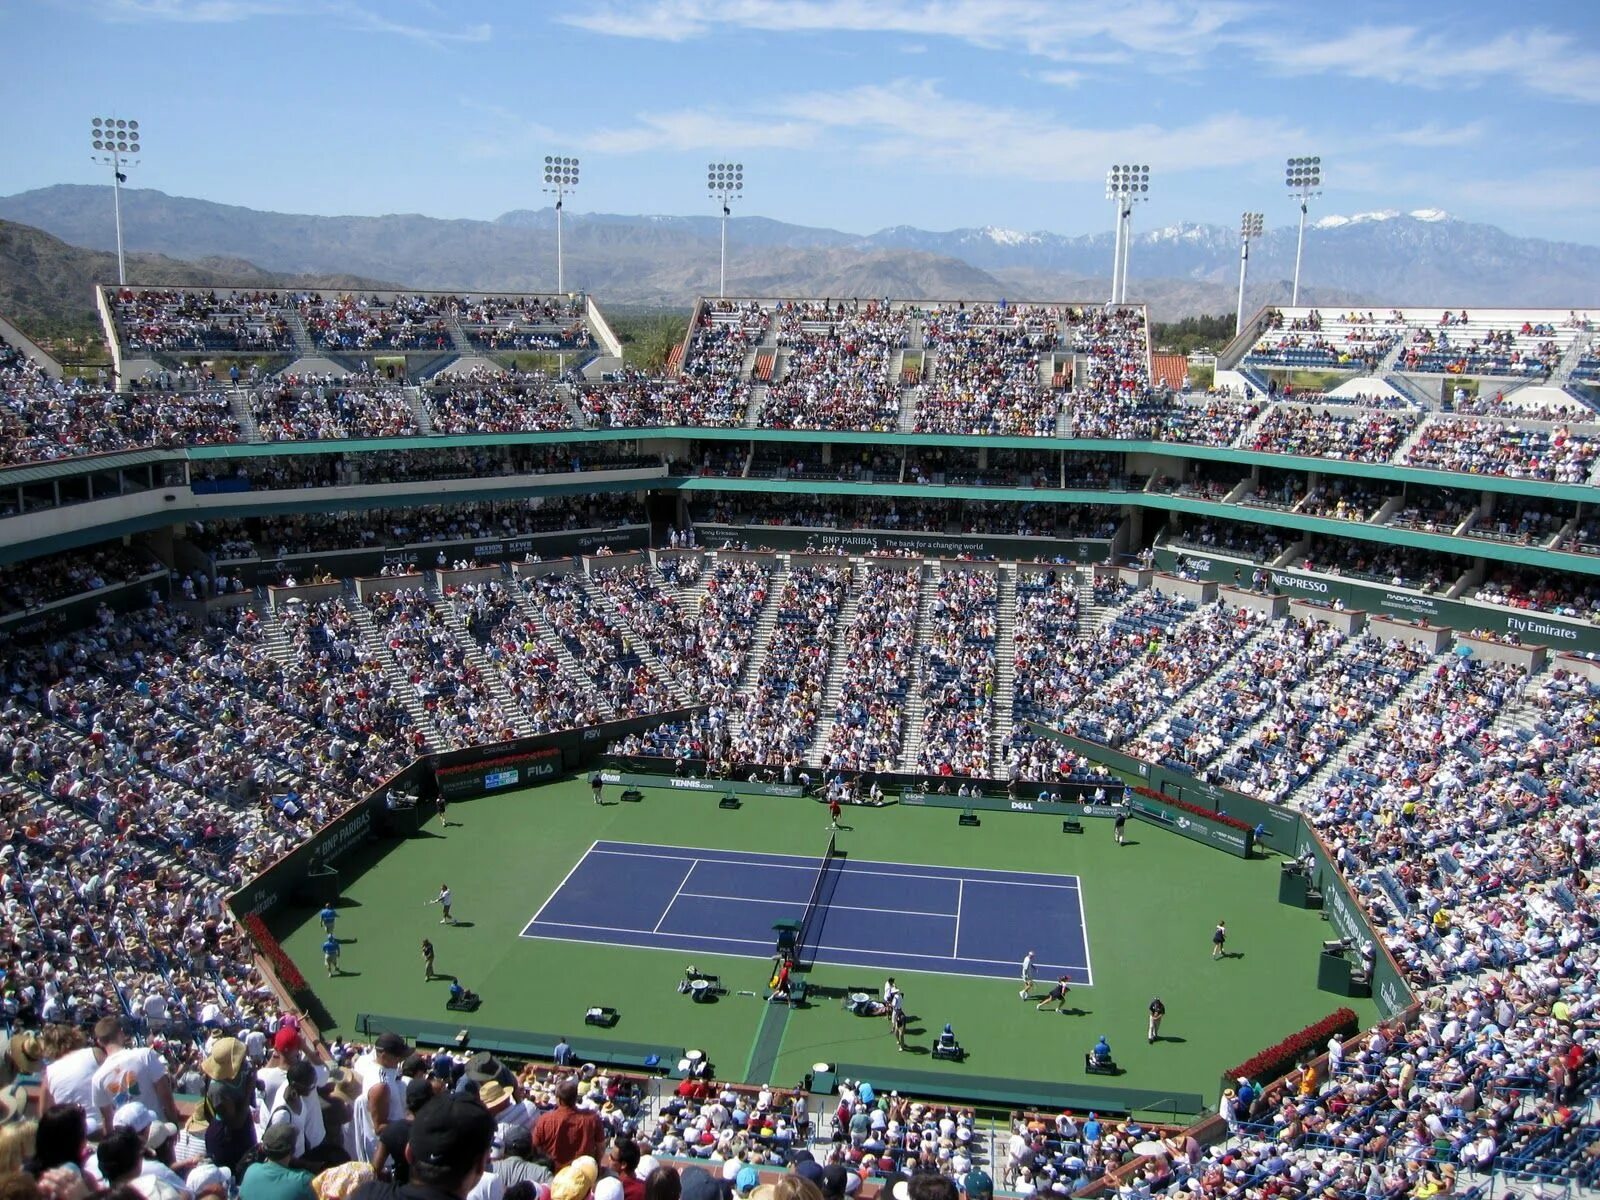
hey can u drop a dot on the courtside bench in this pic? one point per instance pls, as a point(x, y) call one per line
point(516, 1043)
point(977, 1091)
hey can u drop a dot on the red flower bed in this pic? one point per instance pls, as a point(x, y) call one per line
point(1274, 1061)
point(282, 965)
point(505, 760)
point(1203, 813)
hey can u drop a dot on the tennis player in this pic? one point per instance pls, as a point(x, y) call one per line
point(443, 901)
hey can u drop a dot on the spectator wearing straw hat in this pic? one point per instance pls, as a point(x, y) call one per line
point(21, 1053)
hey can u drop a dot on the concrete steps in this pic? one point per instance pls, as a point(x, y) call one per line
point(916, 705)
point(653, 663)
point(489, 671)
point(1005, 663)
point(571, 668)
point(837, 666)
point(377, 645)
point(760, 643)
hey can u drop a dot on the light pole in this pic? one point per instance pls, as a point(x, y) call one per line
point(112, 139)
point(1304, 179)
point(724, 181)
point(1127, 185)
point(560, 177)
point(1250, 226)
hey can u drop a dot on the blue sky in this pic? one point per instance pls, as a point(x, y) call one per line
point(852, 114)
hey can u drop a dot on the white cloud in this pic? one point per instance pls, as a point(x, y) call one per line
point(341, 12)
point(692, 129)
point(1078, 32)
point(913, 119)
point(1432, 136)
point(1552, 64)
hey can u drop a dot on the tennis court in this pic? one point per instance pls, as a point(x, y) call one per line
point(886, 915)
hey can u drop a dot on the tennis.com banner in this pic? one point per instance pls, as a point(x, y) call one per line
point(687, 783)
point(497, 774)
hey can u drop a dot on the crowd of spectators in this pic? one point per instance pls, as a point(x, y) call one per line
point(1340, 695)
point(880, 646)
point(986, 372)
point(836, 367)
point(43, 418)
point(166, 321)
point(714, 367)
point(1529, 588)
point(1523, 520)
point(550, 697)
point(1478, 446)
point(317, 410)
point(959, 674)
point(597, 643)
point(784, 704)
point(1353, 435)
point(1343, 499)
point(1258, 543)
point(360, 324)
point(72, 573)
point(1185, 656)
point(484, 401)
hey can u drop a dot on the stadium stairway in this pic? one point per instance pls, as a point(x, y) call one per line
point(1255, 379)
point(375, 644)
point(916, 709)
point(570, 667)
point(838, 662)
point(458, 336)
point(662, 672)
point(1005, 659)
point(760, 641)
point(277, 642)
point(420, 408)
point(1412, 393)
point(239, 404)
point(1569, 361)
point(758, 405)
point(493, 677)
point(910, 401)
point(1412, 439)
point(303, 343)
point(1092, 614)
point(1358, 744)
point(569, 397)
point(1392, 359)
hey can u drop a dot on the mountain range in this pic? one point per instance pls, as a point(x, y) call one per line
point(1422, 257)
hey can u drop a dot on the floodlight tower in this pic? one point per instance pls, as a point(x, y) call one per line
point(1250, 226)
point(560, 177)
point(1304, 179)
point(725, 182)
point(113, 139)
point(1127, 185)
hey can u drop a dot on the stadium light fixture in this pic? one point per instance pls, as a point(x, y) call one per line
point(725, 182)
point(114, 139)
point(1250, 226)
point(1303, 176)
point(1126, 184)
point(560, 177)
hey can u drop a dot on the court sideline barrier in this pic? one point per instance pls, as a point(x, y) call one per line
point(462, 773)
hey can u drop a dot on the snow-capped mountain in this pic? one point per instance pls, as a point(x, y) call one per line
point(1386, 257)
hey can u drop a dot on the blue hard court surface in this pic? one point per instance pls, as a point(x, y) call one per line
point(892, 916)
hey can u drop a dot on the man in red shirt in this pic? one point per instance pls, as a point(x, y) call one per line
point(567, 1132)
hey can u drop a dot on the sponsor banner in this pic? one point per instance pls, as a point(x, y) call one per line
point(688, 783)
point(1238, 842)
point(497, 774)
point(934, 545)
point(1058, 808)
point(327, 846)
point(1529, 628)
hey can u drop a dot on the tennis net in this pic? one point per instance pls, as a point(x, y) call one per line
point(815, 904)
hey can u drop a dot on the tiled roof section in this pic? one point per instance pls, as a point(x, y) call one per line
point(1169, 369)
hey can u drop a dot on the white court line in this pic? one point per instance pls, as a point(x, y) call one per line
point(1027, 881)
point(1083, 924)
point(581, 859)
point(961, 888)
point(720, 862)
point(893, 953)
point(682, 883)
point(904, 912)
